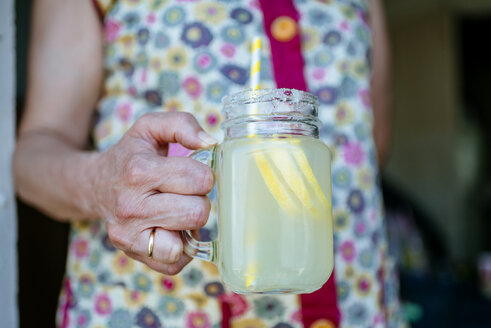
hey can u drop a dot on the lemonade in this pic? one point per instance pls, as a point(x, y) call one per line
point(275, 209)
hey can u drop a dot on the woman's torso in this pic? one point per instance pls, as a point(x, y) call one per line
point(185, 56)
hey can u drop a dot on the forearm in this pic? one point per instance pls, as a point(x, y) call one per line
point(381, 83)
point(55, 176)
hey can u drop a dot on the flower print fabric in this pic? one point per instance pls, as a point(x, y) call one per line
point(185, 55)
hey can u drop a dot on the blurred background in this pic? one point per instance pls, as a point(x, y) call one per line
point(437, 182)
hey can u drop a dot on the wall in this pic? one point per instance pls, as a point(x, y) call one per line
point(8, 232)
point(435, 152)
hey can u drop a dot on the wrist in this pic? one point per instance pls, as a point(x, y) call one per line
point(87, 193)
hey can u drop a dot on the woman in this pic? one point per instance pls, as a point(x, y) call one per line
point(157, 56)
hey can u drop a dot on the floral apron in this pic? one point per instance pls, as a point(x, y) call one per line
point(185, 55)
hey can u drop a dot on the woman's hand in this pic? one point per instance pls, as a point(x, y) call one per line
point(133, 185)
point(138, 188)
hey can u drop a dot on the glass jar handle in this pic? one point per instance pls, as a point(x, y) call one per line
point(203, 250)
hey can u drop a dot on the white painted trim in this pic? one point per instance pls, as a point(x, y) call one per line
point(8, 217)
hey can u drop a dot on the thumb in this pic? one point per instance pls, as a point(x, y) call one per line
point(180, 127)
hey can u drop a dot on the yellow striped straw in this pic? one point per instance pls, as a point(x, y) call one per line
point(255, 63)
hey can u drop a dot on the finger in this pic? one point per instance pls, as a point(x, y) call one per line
point(167, 245)
point(175, 212)
point(178, 175)
point(177, 127)
point(168, 269)
point(185, 176)
point(156, 263)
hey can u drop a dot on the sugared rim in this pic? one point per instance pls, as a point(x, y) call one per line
point(250, 96)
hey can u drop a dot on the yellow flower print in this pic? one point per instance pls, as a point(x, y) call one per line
point(349, 271)
point(343, 66)
point(365, 178)
point(210, 12)
point(248, 323)
point(360, 69)
point(156, 4)
point(363, 285)
point(176, 58)
point(82, 225)
point(127, 42)
point(348, 12)
point(310, 38)
point(199, 299)
point(156, 64)
point(168, 285)
point(172, 105)
point(210, 268)
point(134, 298)
point(344, 114)
point(341, 219)
point(212, 119)
point(122, 264)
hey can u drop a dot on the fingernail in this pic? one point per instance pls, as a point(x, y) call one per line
point(207, 139)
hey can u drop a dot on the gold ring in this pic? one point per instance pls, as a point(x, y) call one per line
point(151, 241)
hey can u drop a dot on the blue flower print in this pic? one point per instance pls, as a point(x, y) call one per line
point(323, 58)
point(356, 202)
point(357, 314)
point(161, 40)
point(153, 97)
point(282, 325)
point(143, 35)
point(318, 17)
point(342, 177)
point(235, 74)
point(147, 319)
point(366, 258)
point(196, 35)
point(131, 20)
point(340, 139)
point(126, 67)
point(169, 83)
point(241, 16)
point(142, 59)
point(268, 307)
point(142, 282)
point(120, 319)
point(327, 95)
point(362, 132)
point(362, 34)
point(192, 277)
point(343, 290)
point(173, 16)
point(216, 90)
point(170, 306)
point(157, 4)
point(86, 285)
point(332, 38)
point(214, 289)
point(233, 34)
point(349, 87)
point(94, 259)
point(352, 49)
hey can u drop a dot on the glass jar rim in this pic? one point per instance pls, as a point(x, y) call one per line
point(250, 96)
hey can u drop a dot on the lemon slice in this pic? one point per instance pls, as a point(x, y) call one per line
point(290, 179)
point(275, 183)
point(250, 275)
